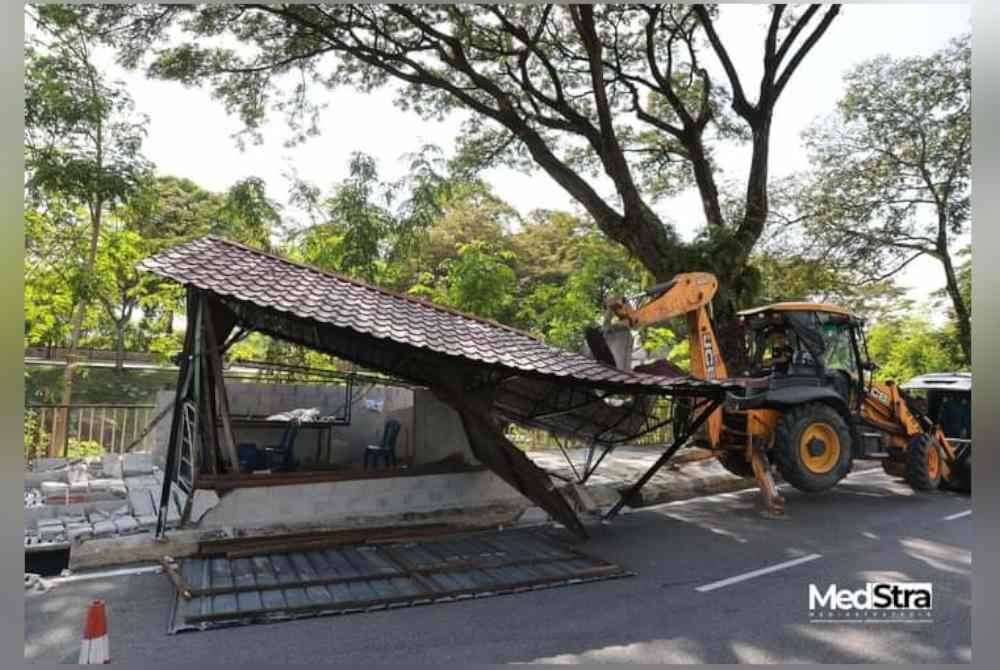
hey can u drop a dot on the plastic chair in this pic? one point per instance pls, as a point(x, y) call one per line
point(281, 457)
point(385, 451)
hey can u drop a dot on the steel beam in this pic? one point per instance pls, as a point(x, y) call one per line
point(679, 440)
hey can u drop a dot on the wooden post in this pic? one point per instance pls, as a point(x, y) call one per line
point(184, 374)
point(208, 424)
point(493, 449)
point(214, 359)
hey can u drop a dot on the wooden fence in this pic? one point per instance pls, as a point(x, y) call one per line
point(111, 427)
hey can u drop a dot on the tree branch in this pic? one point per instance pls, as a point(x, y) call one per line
point(740, 104)
point(806, 47)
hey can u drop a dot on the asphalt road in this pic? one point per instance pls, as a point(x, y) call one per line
point(700, 596)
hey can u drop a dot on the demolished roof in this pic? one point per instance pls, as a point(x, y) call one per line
point(253, 277)
point(486, 371)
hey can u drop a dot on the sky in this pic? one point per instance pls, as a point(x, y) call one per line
point(190, 134)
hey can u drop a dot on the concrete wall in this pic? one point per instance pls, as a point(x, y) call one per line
point(348, 442)
point(431, 431)
point(371, 502)
point(438, 431)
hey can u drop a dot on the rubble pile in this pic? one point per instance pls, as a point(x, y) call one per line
point(70, 501)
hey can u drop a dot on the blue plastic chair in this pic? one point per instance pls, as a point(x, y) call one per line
point(281, 457)
point(386, 450)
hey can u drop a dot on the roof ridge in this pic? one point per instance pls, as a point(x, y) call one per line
point(357, 282)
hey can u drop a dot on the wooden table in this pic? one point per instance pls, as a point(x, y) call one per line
point(324, 429)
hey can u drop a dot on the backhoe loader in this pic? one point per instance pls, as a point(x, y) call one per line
point(810, 405)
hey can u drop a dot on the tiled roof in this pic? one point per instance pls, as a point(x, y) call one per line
point(233, 270)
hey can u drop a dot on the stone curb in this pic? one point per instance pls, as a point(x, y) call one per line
point(680, 488)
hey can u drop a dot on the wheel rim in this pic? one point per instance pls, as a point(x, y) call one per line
point(933, 461)
point(819, 448)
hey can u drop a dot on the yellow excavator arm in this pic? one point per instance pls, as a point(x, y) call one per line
point(687, 294)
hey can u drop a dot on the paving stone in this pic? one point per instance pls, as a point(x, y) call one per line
point(97, 515)
point(141, 502)
point(100, 484)
point(137, 464)
point(52, 488)
point(77, 473)
point(204, 500)
point(142, 482)
point(125, 524)
point(146, 521)
point(43, 464)
point(80, 532)
point(102, 528)
point(69, 519)
point(50, 532)
point(111, 466)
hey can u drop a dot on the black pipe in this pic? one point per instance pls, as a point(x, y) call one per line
point(661, 461)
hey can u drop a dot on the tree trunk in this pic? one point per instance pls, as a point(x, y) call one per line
point(705, 180)
point(120, 344)
point(962, 316)
point(61, 417)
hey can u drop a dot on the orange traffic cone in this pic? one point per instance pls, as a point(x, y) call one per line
point(94, 645)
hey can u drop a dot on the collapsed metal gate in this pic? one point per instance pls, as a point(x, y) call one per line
point(218, 591)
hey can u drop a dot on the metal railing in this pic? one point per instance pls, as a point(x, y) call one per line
point(88, 428)
point(87, 354)
point(530, 438)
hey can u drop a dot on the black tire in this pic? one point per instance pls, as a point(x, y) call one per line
point(921, 473)
point(894, 468)
point(960, 478)
point(736, 463)
point(795, 426)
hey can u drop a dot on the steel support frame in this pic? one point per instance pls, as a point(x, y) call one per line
point(679, 439)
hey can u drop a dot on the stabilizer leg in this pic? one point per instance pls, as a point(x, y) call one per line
point(773, 502)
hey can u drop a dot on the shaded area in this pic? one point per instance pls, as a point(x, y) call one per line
point(486, 371)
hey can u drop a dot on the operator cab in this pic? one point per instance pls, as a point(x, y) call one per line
point(792, 341)
point(945, 397)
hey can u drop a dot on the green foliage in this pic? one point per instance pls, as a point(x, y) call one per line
point(479, 279)
point(441, 233)
point(796, 277)
point(55, 251)
point(574, 270)
point(363, 229)
point(33, 432)
point(82, 136)
point(891, 170)
point(83, 448)
point(525, 77)
point(905, 348)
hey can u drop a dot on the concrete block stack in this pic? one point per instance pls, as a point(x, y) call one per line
point(74, 501)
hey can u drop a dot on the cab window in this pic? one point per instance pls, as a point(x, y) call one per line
point(839, 349)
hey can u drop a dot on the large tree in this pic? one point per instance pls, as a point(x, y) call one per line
point(591, 94)
point(82, 147)
point(891, 177)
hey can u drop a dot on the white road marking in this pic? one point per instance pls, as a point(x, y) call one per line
point(739, 493)
point(84, 576)
point(959, 515)
point(756, 573)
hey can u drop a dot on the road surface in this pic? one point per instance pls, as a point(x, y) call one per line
point(716, 583)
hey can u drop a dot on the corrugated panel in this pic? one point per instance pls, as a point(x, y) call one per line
point(275, 586)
